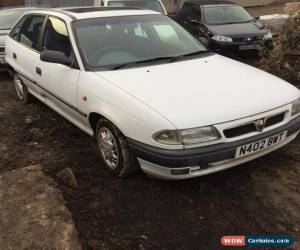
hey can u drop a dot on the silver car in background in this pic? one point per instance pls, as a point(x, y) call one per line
point(8, 17)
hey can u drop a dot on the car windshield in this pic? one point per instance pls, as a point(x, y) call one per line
point(111, 41)
point(150, 5)
point(9, 17)
point(225, 14)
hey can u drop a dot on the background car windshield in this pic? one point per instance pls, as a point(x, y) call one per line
point(215, 15)
point(9, 17)
point(149, 5)
point(118, 40)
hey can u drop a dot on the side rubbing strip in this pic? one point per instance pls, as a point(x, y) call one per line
point(55, 96)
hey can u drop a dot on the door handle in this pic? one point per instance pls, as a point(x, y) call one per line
point(38, 71)
point(14, 55)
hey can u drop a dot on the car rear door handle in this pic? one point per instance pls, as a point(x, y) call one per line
point(38, 71)
point(14, 55)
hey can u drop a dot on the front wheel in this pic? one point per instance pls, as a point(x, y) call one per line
point(114, 150)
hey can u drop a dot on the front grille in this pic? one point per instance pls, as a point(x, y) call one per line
point(250, 127)
point(2, 49)
point(275, 119)
point(247, 39)
point(241, 130)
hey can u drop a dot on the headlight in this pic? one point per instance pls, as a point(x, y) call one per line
point(170, 137)
point(268, 36)
point(187, 136)
point(223, 39)
point(296, 107)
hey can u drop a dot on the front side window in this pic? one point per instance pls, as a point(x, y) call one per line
point(56, 36)
point(31, 31)
point(225, 14)
point(148, 5)
point(118, 40)
point(9, 17)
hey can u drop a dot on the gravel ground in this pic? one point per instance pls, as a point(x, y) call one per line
point(261, 197)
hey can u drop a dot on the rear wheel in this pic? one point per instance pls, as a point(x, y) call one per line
point(21, 90)
point(114, 150)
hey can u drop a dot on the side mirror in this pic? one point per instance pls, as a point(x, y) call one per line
point(53, 56)
point(256, 18)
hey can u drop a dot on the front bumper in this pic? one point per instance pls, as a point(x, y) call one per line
point(234, 47)
point(189, 163)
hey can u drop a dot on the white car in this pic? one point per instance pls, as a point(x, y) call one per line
point(155, 5)
point(150, 94)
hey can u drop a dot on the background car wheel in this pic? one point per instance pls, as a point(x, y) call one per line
point(114, 150)
point(21, 90)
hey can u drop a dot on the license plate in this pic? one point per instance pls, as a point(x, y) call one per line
point(248, 47)
point(258, 146)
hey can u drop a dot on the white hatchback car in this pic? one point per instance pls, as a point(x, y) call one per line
point(151, 94)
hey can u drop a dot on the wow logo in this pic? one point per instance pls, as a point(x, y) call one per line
point(257, 241)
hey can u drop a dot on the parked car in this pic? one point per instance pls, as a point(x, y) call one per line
point(150, 94)
point(8, 17)
point(155, 5)
point(224, 26)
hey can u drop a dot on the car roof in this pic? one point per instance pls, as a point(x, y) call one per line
point(96, 9)
point(209, 2)
point(77, 13)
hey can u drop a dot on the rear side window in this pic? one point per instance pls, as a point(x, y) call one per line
point(56, 36)
point(31, 31)
point(15, 33)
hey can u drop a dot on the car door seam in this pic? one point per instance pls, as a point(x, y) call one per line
point(55, 96)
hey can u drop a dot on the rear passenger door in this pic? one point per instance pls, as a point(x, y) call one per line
point(60, 81)
point(26, 54)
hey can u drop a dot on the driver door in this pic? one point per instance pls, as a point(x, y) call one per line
point(58, 81)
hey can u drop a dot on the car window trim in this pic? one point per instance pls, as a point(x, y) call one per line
point(75, 64)
point(39, 39)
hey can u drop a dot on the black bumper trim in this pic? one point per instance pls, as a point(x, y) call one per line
point(202, 155)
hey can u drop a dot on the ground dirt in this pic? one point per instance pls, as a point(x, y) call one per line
point(32, 212)
point(261, 197)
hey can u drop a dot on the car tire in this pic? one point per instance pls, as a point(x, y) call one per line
point(21, 89)
point(114, 150)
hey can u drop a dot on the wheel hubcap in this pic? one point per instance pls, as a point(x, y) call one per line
point(108, 148)
point(19, 86)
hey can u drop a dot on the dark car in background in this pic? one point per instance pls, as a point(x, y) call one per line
point(8, 17)
point(224, 27)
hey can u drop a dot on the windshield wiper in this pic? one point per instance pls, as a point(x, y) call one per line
point(234, 22)
point(156, 59)
point(175, 58)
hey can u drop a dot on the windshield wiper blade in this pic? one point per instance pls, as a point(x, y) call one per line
point(175, 58)
point(156, 59)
